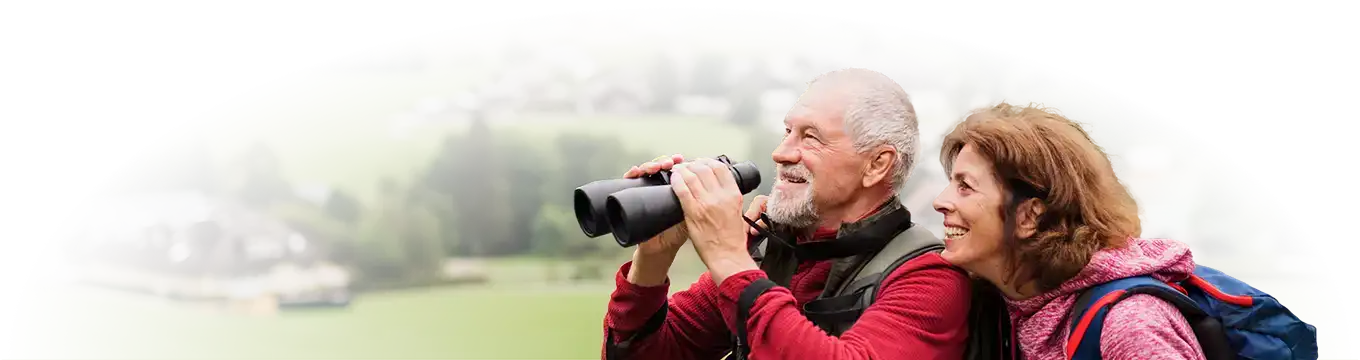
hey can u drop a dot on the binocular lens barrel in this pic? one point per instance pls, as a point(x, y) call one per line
point(635, 210)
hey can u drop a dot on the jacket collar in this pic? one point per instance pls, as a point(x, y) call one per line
point(860, 237)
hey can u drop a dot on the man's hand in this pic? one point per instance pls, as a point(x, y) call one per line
point(711, 201)
point(670, 240)
point(652, 259)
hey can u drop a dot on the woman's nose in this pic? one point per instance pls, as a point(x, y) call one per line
point(942, 205)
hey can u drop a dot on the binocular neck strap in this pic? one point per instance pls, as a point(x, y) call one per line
point(867, 239)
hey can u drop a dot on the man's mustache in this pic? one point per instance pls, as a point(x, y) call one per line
point(796, 172)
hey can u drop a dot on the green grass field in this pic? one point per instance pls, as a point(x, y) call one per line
point(506, 321)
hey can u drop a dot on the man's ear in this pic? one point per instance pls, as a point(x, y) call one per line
point(880, 165)
point(1027, 218)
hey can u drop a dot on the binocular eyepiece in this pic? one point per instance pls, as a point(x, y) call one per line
point(635, 210)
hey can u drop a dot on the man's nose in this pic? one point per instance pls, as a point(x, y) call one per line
point(785, 154)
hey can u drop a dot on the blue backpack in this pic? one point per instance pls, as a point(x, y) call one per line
point(1231, 319)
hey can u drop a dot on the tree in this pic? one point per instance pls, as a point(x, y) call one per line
point(420, 236)
point(483, 203)
point(442, 178)
point(256, 175)
point(665, 84)
point(343, 207)
point(524, 174)
point(583, 158)
point(381, 254)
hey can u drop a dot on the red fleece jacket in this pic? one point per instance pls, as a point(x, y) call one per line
point(921, 313)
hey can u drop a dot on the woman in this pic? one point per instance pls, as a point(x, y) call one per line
point(1033, 207)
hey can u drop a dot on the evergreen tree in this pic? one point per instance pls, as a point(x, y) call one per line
point(343, 207)
point(483, 204)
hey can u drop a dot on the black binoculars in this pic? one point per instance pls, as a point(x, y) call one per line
point(635, 210)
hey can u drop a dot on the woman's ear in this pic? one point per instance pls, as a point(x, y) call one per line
point(1027, 218)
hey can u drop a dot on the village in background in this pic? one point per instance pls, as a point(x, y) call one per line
point(419, 188)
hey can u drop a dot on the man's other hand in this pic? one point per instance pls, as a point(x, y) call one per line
point(753, 213)
point(712, 204)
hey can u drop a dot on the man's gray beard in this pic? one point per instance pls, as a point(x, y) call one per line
point(798, 213)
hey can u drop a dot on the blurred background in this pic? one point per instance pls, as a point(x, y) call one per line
point(392, 180)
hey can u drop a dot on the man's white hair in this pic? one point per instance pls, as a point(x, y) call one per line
point(879, 112)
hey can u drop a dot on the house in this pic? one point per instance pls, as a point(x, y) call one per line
point(188, 246)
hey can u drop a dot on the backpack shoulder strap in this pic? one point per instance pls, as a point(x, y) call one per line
point(909, 244)
point(1089, 311)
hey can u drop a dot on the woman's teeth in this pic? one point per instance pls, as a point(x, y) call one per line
point(954, 232)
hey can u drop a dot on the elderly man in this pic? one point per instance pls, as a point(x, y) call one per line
point(795, 288)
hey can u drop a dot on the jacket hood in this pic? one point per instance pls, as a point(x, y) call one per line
point(1045, 316)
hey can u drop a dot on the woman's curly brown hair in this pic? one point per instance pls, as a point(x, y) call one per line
point(1037, 153)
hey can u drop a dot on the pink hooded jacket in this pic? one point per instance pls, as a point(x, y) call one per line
point(1139, 327)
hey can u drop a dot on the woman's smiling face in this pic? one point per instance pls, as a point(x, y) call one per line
point(971, 205)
